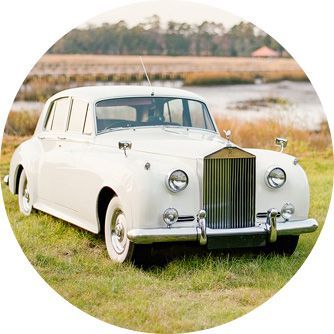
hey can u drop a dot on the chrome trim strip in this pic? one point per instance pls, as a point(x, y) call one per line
point(186, 219)
point(148, 236)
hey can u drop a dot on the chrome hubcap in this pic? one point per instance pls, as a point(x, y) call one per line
point(118, 237)
point(26, 197)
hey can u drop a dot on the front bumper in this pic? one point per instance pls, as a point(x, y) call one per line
point(267, 230)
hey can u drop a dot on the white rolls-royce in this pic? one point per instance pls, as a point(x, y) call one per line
point(147, 165)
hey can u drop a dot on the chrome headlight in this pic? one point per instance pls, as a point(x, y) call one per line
point(177, 181)
point(275, 177)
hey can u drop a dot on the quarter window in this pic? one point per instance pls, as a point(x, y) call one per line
point(60, 114)
point(78, 116)
point(48, 123)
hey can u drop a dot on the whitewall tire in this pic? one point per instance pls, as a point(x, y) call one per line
point(120, 248)
point(24, 195)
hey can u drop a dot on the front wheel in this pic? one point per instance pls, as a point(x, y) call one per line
point(285, 245)
point(24, 194)
point(120, 248)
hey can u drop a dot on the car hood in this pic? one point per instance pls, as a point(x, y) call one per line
point(183, 142)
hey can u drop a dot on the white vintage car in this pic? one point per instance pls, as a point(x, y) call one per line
point(148, 165)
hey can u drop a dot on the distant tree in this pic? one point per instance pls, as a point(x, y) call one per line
point(177, 39)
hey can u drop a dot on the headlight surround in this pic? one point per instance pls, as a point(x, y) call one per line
point(276, 177)
point(177, 181)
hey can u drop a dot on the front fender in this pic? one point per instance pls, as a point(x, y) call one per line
point(143, 192)
point(295, 190)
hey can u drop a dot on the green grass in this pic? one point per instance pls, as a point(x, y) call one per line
point(186, 294)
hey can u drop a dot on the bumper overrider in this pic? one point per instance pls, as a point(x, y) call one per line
point(263, 232)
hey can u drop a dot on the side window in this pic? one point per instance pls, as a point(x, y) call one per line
point(78, 116)
point(89, 128)
point(50, 115)
point(61, 114)
point(173, 111)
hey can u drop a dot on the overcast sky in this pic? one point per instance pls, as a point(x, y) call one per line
point(167, 10)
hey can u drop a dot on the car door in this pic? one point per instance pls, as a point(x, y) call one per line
point(78, 179)
point(52, 139)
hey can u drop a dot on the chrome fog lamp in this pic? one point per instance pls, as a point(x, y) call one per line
point(275, 177)
point(177, 181)
point(170, 216)
point(287, 211)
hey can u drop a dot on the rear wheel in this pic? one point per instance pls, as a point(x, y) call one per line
point(120, 248)
point(24, 194)
point(285, 245)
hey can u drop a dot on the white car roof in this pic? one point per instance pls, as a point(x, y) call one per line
point(96, 93)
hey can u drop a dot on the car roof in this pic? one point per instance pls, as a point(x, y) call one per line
point(96, 93)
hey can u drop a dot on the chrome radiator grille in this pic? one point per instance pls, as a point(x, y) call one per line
point(229, 189)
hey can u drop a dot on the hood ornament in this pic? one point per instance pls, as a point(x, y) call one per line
point(228, 134)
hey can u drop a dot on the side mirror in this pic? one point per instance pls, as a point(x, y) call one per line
point(282, 142)
point(124, 145)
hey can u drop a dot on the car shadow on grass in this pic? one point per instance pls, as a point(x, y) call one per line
point(160, 255)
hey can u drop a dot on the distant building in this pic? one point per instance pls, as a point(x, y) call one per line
point(265, 52)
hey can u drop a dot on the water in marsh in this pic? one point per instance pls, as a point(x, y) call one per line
point(289, 102)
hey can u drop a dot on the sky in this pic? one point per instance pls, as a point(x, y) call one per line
point(179, 11)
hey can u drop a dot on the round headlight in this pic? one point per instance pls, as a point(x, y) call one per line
point(287, 211)
point(170, 216)
point(276, 177)
point(177, 181)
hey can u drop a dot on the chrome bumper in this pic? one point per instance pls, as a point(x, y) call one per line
point(273, 229)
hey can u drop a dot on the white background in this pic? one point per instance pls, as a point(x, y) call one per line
point(28, 29)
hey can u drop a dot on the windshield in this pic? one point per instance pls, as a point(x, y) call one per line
point(151, 111)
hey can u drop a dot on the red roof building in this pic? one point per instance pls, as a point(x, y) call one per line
point(265, 52)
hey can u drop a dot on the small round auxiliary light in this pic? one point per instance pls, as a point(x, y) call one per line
point(287, 211)
point(170, 216)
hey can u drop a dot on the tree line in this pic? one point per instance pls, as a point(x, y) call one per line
point(175, 39)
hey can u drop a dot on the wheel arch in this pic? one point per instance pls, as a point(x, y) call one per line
point(16, 179)
point(103, 199)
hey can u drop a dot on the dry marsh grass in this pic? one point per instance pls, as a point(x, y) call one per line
point(56, 72)
point(261, 134)
point(233, 77)
point(94, 64)
point(21, 123)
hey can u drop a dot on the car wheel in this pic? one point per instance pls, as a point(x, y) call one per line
point(285, 245)
point(120, 248)
point(24, 195)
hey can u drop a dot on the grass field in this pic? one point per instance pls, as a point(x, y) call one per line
point(190, 293)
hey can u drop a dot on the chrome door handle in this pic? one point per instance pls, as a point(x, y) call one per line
point(62, 138)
